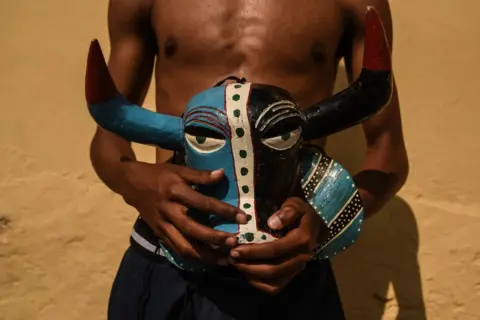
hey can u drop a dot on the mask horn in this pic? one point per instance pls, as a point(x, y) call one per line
point(116, 114)
point(367, 96)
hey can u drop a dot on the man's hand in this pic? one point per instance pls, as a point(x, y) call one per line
point(271, 266)
point(162, 194)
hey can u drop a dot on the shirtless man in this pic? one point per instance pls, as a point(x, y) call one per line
point(296, 45)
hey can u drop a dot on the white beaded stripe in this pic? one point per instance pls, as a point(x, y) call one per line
point(345, 228)
point(324, 176)
point(236, 108)
point(314, 170)
point(343, 208)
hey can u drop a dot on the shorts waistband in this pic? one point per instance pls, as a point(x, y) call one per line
point(143, 240)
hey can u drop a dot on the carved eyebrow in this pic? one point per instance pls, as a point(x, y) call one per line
point(276, 112)
point(213, 111)
point(209, 116)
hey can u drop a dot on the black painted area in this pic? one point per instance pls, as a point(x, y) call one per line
point(363, 99)
point(276, 171)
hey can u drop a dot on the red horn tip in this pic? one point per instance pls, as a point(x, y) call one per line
point(377, 52)
point(99, 86)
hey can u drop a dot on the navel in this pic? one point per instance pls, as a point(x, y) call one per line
point(318, 52)
point(170, 47)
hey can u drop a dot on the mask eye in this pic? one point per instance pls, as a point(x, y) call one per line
point(204, 144)
point(204, 140)
point(284, 141)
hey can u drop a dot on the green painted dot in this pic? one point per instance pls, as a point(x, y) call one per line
point(245, 189)
point(249, 236)
point(238, 86)
point(249, 217)
point(236, 113)
point(264, 237)
point(200, 139)
point(240, 132)
point(286, 136)
point(247, 205)
point(236, 97)
point(243, 153)
point(244, 171)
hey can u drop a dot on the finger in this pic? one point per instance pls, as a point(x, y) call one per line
point(272, 288)
point(203, 254)
point(290, 212)
point(176, 215)
point(208, 255)
point(175, 240)
point(199, 176)
point(295, 241)
point(271, 271)
point(194, 199)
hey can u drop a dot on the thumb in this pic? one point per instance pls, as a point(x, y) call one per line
point(200, 176)
point(290, 212)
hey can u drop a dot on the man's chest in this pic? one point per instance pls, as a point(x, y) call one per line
point(270, 31)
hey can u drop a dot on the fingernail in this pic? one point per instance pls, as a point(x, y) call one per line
point(234, 254)
point(223, 262)
point(231, 242)
point(274, 222)
point(241, 218)
point(217, 173)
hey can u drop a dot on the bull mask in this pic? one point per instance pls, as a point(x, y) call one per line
point(254, 132)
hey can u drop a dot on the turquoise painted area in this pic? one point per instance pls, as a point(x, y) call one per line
point(213, 97)
point(331, 196)
point(343, 241)
point(137, 124)
point(334, 191)
point(226, 190)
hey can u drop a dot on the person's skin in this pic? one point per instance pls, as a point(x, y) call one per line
point(296, 45)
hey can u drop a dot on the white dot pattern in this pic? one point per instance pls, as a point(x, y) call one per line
point(236, 108)
point(342, 221)
point(318, 175)
point(323, 166)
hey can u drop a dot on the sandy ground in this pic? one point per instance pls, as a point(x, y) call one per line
point(62, 233)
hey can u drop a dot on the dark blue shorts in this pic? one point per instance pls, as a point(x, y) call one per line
point(152, 289)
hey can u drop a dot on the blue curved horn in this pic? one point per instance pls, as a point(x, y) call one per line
point(116, 114)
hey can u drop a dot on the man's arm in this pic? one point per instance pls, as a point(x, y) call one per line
point(132, 55)
point(385, 167)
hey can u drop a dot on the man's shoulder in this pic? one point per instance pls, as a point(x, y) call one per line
point(129, 8)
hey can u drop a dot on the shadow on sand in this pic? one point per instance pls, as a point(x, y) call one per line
point(381, 270)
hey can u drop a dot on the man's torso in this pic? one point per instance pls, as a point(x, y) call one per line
point(295, 45)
